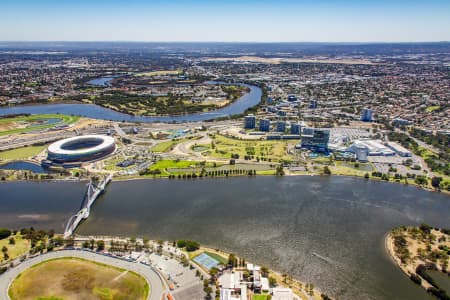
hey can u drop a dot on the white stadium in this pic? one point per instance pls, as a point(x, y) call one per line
point(81, 148)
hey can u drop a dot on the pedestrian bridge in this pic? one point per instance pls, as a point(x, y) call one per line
point(94, 190)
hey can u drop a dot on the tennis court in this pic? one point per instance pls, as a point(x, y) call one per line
point(207, 261)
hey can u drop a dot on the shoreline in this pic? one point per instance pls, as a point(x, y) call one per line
point(224, 254)
point(410, 268)
point(134, 178)
point(245, 93)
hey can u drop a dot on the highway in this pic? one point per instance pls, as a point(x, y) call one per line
point(157, 285)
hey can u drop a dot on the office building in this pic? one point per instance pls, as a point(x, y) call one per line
point(250, 122)
point(264, 125)
point(366, 115)
point(315, 139)
point(281, 126)
point(296, 128)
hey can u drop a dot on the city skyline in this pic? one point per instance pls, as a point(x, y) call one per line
point(231, 21)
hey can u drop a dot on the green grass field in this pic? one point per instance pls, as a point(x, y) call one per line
point(260, 297)
point(166, 164)
point(349, 169)
point(74, 278)
point(20, 247)
point(165, 146)
point(432, 108)
point(31, 123)
point(273, 150)
point(21, 153)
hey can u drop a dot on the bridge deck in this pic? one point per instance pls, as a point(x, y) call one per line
point(90, 196)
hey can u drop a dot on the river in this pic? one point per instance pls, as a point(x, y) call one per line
point(325, 230)
point(250, 99)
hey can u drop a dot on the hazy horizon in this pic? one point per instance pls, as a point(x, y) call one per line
point(322, 21)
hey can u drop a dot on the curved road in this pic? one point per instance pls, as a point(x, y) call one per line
point(157, 287)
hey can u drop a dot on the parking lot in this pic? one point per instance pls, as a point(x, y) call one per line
point(186, 285)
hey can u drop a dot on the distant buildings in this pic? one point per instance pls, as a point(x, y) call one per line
point(250, 122)
point(366, 115)
point(296, 128)
point(401, 122)
point(399, 149)
point(291, 98)
point(281, 126)
point(315, 139)
point(313, 104)
point(264, 125)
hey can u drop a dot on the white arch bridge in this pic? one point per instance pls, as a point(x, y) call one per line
point(93, 191)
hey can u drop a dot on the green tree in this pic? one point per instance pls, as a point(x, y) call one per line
point(4, 233)
point(100, 245)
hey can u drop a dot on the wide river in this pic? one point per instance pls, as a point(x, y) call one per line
point(250, 99)
point(325, 230)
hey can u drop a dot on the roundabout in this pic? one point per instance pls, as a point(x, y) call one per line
point(80, 275)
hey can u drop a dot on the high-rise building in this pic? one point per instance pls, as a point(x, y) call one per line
point(250, 122)
point(366, 115)
point(291, 98)
point(315, 139)
point(313, 104)
point(281, 126)
point(264, 125)
point(296, 128)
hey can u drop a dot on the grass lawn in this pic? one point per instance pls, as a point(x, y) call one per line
point(74, 278)
point(21, 153)
point(274, 150)
point(265, 172)
point(165, 146)
point(166, 164)
point(32, 123)
point(432, 108)
point(19, 248)
point(259, 297)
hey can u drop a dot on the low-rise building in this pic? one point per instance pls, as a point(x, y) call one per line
point(399, 149)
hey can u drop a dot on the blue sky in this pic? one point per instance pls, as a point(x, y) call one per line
point(232, 20)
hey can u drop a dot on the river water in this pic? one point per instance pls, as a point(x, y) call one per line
point(239, 106)
point(325, 230)
point(24, 165)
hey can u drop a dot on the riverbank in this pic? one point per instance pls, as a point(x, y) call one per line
point(239, 106)
point(146, 252)
point(415, 250)
point(45, 178)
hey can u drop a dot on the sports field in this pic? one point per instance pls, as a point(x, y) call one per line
point(21, 153)
point(74, 279)
point(25, 124)
point(206, 261)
